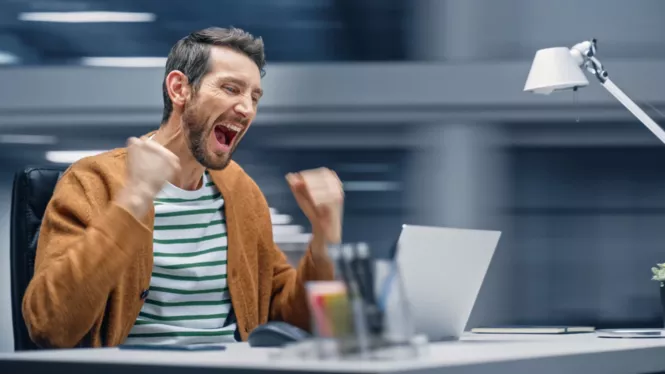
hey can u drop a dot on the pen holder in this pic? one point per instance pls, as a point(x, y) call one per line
point(331, 317)
point(346, 325)
point(396, 338)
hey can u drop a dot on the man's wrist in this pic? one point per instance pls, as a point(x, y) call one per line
point(135, 200)
point(319, 247)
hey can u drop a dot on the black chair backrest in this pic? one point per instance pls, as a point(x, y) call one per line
point(33, 189)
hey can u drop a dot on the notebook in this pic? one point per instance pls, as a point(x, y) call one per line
point(533, 330)
point(631, 333)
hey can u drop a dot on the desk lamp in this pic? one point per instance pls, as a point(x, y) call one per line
point(560, 68)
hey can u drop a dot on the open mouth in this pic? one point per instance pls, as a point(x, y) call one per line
point(225, 133)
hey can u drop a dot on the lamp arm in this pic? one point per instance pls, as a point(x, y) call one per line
point(633, 108)
point(584, 54)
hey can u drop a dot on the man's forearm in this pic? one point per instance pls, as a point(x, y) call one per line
point(75, 272)
point(289, 299)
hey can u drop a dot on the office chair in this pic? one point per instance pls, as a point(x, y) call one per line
point(33, 188)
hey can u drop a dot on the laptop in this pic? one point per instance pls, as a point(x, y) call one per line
point(442, 270)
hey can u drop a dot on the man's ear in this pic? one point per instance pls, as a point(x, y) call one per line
point(178, 88)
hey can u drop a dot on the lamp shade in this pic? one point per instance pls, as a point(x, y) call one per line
point(554, 69)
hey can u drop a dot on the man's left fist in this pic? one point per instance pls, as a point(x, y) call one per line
point(320, 195)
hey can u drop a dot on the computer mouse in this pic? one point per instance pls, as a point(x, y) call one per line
point(276, 334)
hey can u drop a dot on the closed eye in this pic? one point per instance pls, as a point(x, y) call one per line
point(231, 89)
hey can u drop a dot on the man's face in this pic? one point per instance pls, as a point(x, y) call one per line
point(221, 111)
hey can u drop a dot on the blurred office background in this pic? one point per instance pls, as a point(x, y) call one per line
point(417, 104)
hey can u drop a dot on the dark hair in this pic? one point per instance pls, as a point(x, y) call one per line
point(190, 55)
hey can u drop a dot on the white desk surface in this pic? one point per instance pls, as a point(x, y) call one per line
point(473, 353)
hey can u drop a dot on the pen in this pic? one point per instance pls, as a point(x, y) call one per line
point(335, 253)
point(346, 259)
point(343, 256)
point(358, 306)
point(362, 266)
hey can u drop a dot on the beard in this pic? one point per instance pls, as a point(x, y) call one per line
point(198, 133)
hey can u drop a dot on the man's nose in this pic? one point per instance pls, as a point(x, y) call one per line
point(244, 107)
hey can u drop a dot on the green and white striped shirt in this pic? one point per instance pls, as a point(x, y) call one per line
point(189, 299)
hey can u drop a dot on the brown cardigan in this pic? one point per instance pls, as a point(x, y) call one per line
point(94, 260)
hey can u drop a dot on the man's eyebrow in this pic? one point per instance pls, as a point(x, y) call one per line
point(237, 81)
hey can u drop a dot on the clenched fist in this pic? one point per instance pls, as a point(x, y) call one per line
point(149, 166)
point(320, 196)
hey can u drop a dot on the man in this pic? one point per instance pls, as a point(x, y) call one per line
point(168, 241)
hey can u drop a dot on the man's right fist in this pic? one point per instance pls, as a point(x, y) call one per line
point(149, 166)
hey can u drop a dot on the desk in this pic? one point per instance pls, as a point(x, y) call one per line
point(472, 354)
